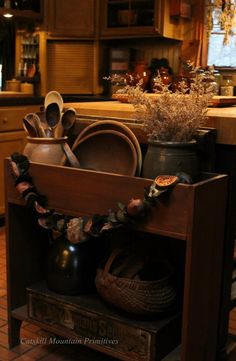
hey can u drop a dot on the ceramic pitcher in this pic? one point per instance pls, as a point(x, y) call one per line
point(45, 150)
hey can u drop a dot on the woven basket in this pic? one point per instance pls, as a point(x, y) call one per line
point(137, 296)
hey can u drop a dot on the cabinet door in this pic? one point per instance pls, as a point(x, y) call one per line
point(137, 18)
point(71, 17)
point(131, 17)
point(10, 142)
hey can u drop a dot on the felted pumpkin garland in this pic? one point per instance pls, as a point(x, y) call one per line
point(80, 229)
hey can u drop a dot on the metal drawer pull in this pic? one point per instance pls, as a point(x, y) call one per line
point(4, 120)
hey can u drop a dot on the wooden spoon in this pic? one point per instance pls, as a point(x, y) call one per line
point(29, 128)
point(68, 118)
point(71, 157)
point(38, 125)
point(53, 116)
point(35, 123)
point(67, 121)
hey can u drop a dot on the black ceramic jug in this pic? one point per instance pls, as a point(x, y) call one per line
point(71, 267)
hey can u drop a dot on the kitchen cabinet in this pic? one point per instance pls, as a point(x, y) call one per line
point(12, 138)
point(69, 66)
point(30, 59)
point(64, 64)
point(139, 18)
point(27, 57)
point(70, 18)
point(10, 142)
point(191, 216)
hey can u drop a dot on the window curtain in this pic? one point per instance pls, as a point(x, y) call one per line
point(7, 49)
point(201, 32)
point(195, 44)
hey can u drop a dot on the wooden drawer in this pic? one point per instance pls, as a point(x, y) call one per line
point(87, 321)
point(11, 117)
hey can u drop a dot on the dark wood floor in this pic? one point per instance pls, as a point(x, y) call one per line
point(33, 347)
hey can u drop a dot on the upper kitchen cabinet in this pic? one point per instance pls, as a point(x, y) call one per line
point(68, 18)
point(137, 18)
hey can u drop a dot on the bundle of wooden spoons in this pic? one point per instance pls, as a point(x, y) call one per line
point(51, 126)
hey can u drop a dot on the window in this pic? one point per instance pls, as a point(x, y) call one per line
point(218, 53)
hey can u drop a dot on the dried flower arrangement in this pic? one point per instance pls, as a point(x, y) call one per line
point(172, 116)
point(224, 12)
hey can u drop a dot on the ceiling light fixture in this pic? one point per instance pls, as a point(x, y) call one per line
point(7, 6)
point(8, 15)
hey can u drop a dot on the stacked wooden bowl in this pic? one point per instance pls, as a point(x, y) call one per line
point(108, 146)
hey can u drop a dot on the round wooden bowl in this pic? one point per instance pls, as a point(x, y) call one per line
point(107, 151)
point(117, 126)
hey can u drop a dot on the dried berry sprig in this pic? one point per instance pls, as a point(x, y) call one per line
point(174, 117)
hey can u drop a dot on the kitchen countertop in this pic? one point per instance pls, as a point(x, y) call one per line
point(16, 98)
point(12, 94)
point(116, 108)
point(228, 112)
point(112, 108)
point(223, 119)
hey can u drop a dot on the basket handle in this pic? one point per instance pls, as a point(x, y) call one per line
point(110, 260)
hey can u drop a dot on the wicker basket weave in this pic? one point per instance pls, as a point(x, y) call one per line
point(137, 296)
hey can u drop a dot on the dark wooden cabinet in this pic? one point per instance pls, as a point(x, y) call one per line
point(191, 215)
point(139, 18)
point(70, 18)
point(130, 17)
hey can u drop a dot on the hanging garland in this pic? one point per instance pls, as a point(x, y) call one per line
point(80, 229)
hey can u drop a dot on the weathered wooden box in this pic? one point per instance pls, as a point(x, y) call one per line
point(88, 321)
point(193, 216)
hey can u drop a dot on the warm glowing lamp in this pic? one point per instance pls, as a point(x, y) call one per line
point(7, 6)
